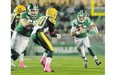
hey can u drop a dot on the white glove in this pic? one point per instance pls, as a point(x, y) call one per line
point(58, 36)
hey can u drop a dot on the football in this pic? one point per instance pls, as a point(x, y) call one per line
point(77, 29)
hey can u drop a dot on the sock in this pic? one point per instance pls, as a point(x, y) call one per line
point(91, 52)
point(95, 58)
point(50, 54)
point(21, 58)
point(15, 56)
point(44, 55)
point(48, 60)
point(82, 51)
point(84, 58)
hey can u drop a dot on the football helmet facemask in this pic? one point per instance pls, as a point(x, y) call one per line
point(81, 16)
point(33, 10)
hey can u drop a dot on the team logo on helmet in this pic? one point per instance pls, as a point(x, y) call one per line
point(81, 16)
point(33, 10)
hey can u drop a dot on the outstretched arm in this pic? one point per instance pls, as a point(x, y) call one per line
point(94, 29)
point(52, 32)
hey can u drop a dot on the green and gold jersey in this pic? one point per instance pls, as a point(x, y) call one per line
point(75, 24)
point(44, 24)
point(21, 29)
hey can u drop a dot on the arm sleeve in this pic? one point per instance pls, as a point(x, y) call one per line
point(73, 28)
point(13, 23)
point(88, 22)
point(51, 29)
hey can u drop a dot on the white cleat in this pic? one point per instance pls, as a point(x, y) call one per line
point(22, 65)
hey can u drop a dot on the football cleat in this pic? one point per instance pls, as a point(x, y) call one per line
point(47, 68)
point(22, 65)
point(50, 71)
point(97, 62)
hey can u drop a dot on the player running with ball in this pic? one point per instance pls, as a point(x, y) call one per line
point(79, 30)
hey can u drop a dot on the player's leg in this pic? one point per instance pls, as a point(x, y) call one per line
point(80, 48)
point(20, 49)
point(46, 44)
point(14, 55)
point(86, 42)
point(48, 62)
point(19, 46)
point(43, 59)
point(84, 56)
point(21, 61)
point(37, 42)
point(36, 49)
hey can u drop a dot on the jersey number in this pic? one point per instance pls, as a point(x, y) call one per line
point(41, 21)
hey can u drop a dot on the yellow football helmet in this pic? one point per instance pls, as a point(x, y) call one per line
point(19, 9)
point(51, 12)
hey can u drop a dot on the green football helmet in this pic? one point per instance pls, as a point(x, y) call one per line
point(33, 10)
point(81, 16)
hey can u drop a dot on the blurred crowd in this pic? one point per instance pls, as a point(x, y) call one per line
point(67, 12)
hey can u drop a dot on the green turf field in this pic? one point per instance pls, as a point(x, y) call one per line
point(63, 65)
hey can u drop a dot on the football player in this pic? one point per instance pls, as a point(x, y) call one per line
point(16, 15)
point(79, 30)
point(14, 22)
point(46, 24)
point(23, 31)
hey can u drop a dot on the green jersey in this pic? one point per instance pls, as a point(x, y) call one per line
point(21, 29)
point(75, 23)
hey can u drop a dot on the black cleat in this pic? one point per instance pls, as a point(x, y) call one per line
point(97, 62)
point(50, 71)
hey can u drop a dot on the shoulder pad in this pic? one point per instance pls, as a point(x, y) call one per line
point(39, 15)
point(88, 19)
point(23, 15)
point(52, 20)
point(74, 22)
